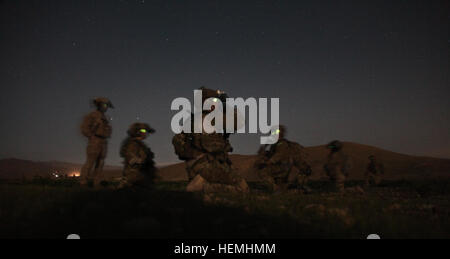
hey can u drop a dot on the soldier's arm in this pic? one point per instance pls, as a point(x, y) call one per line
point(228, 147)
point(305, 168)
point(302, 158)
point(95, 122)
point(261, 157)
point(281, 153)
point(87, 125)
point(132, 154)
point(262, 151)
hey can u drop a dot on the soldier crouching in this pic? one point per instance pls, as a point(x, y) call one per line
point(139, 167)
point(338, 165)
point(285, 164)
point(208, 165)
point(374, 172)
point(212, 169)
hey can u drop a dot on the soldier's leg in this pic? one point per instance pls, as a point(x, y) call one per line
point(242, 186)
point(224, 174)
point(332, 175)
point(239, 187)
point(88, 167)
point(198, 184)
point(224, 179)
point(190, 170)
point(340, 182)
point(219, 188)
point(303, 183)
point(377, 179)
point(124, 180)
point(100, 163)
point(294, 177)
point(131, 176)
point(281, 184)
point(239, 183)
point(267, 179)
point(371, 180)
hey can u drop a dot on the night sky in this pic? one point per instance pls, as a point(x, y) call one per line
point(372, 72)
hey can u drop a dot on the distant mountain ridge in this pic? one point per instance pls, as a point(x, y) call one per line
point(398, 166)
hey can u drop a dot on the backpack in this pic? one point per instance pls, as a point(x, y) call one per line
point(183, 146)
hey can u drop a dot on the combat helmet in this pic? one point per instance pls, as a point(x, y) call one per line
point(209, 93)
point(335, 145)
point(279, 130)
point(137, 129)
point(103, 101)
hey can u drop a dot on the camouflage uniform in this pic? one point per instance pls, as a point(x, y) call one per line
point(206, 157)
point(97, 129)
point(139, 167)
point(374, 172)
point(338, 165)
point(285, 163)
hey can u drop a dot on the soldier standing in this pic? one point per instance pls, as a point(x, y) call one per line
point(139, 166)
point(374, 171)
point(97, 129)
point(207, 162)
point(338, 165)
point(284, 163)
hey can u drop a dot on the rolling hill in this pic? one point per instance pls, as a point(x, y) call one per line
point(398, 166)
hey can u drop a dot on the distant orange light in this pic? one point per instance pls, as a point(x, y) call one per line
point(75, 174)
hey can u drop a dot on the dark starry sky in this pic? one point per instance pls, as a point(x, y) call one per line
point(373, 72)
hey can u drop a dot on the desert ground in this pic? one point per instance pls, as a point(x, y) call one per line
point(412, 202)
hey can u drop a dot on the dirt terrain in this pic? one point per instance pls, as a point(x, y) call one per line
point(412, 202)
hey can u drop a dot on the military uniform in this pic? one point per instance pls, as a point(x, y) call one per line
point(285, 163)
point(338, 165)
point(139, 167)
point(374, 172)
point(97, 129)
point(207, 160)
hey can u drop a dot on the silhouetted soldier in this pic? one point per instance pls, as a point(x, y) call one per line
point(284, 163)
point(374, 171)
point(139, 167)
point(97, 129)
point(338, 165)
point(206, 155)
